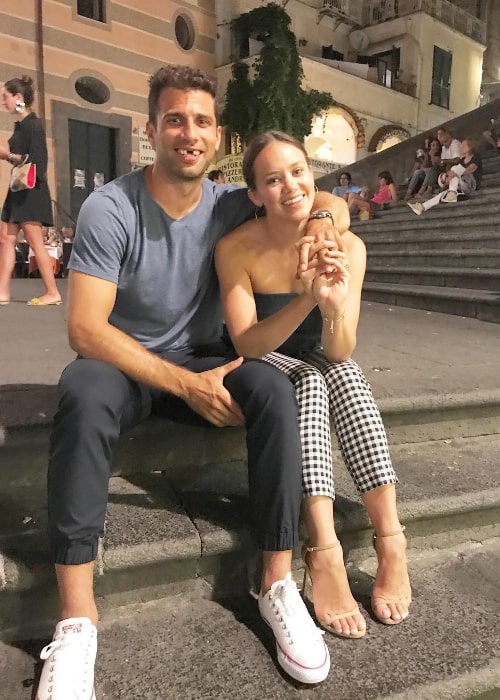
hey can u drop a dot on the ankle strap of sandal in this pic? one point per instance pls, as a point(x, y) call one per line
point(391, 534)
point(322, 548)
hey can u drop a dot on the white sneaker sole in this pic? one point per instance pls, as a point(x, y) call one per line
point(303, 674)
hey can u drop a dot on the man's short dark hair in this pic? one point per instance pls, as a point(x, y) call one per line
point(214, 175)
point(179, 77)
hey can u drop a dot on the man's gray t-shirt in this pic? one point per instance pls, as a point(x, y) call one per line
point(167, 290)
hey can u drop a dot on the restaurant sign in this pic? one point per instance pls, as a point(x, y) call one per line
point(146, 151)
point(231, 167)
point(324, 166)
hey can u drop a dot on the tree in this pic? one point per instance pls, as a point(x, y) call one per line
point(275, 99)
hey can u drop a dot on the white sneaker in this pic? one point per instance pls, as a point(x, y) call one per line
point(301, 650)
point(68, 671)
point(416, 207)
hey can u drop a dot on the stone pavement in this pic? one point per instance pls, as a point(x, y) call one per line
point(191, 648)
point(410, 357)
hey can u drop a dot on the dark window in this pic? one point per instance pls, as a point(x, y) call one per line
point(184, 32)
point(92, 90)
point(441, 74)
point(330, 53)
point(387, 64)
point(93, 9)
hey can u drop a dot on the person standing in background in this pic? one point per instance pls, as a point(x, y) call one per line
point(29, 210)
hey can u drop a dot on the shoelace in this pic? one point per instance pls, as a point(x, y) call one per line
point(287, 602)
point(285, 594)
point(47, 651)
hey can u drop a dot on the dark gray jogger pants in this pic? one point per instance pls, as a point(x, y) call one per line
point(97, 402)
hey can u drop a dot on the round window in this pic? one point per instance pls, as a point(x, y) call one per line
point(184, 32)
point(92, 90)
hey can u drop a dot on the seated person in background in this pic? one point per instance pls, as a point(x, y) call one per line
point(345, 186)
point(386, 192)
point(427, 157)
point(306, 327)
point(450, 155)
point(492, 135)
point(465, 177)
point(217, 176)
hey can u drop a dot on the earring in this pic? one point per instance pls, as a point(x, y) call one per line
point(316, 188)
point(259, 211)
point(20, 106)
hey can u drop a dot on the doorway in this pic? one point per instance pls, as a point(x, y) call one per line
point(92, 160)
point(92, 141)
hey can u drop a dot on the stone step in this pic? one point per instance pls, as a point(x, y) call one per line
point(171, 448)
point(485, 258)
point(431, 233)
point(165, 530)
point(474, 303)
point(435, 276)
point(440, 217)
point(440, 240)
point(193, 647)
point(476, 205)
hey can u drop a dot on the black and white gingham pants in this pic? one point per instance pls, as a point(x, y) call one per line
point(340, 391)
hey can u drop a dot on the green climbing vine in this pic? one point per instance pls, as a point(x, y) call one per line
point(275, 99)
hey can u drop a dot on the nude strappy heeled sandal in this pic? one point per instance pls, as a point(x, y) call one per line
point(385, 600)
point(327, 624)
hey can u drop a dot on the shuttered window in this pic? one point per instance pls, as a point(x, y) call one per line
point(441, 76)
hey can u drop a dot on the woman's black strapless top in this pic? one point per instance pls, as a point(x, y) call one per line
point(307, 337)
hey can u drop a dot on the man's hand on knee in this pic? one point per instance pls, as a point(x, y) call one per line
point(207, 395)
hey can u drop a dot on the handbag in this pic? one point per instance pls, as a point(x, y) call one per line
point(23, 176)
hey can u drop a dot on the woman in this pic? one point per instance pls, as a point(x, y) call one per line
point(465, 177)
point(29, 210)
point(386, 192)
point(273, 315)
point(431, 155)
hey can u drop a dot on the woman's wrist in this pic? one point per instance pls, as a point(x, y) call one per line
point(332, 318)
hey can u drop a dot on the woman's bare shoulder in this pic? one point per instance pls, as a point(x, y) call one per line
point(244, 237)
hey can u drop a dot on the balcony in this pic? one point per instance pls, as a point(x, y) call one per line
point(377, 11)
point(364, 13)
point(342, 11)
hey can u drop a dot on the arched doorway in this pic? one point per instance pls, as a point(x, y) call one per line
point(387, 136)
point(332, 138)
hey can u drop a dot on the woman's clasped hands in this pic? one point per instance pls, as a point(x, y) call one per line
point(324, 272)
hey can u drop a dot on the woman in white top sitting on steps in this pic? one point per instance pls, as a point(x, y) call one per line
point(463, 178)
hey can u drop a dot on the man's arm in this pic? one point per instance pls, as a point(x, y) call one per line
point(338, 208)
point(91, 301)
point(453, 154)
point(325, 228)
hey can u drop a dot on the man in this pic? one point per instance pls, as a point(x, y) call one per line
point(144, 317)
point(345, 186)
point(217, 176)
point(451, 152)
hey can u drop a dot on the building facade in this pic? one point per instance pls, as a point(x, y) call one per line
point(90, 60)
point(394, 67)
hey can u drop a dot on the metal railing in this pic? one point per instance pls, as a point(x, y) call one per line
point(346, 9)
point(377, 11)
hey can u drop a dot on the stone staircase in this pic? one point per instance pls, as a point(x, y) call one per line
point(446, 260)
point(177, 511)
